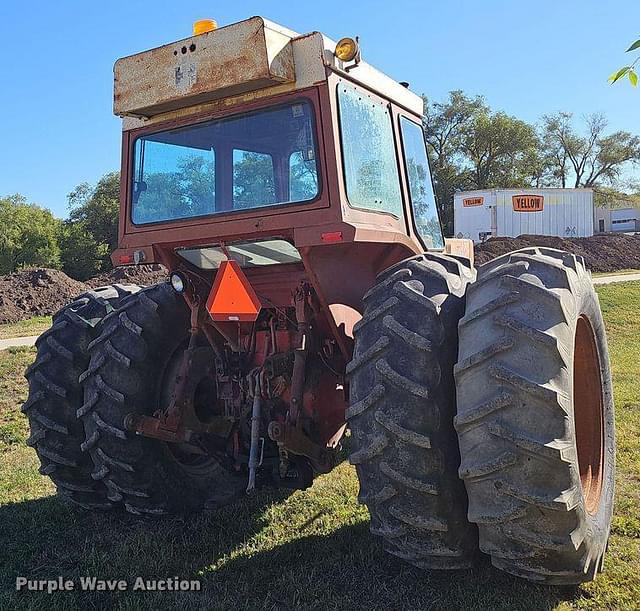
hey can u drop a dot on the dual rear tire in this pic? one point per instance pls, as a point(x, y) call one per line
point(56, 393)
point(535, 416)
point(402, 408)
point(134, 364)
point(106, 356)
point(531, 436)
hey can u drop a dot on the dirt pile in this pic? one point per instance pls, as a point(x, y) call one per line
point(35, 292)
point(605, 252)
point(145, 275)
point(41, 291)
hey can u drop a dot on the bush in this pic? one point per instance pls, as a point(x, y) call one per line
point(29, 235)
point(82, 255)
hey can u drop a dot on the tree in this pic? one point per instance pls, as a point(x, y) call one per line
point(82, 255)
point(253, 182)
point(630, 70)
point(472, 147)
point(95, 209)
point(592, 159)
point(187, 190)
point(610, 197)
point(303, 178)
point(446, 124)
point(29, 235)
point(502, 151)
point(555, 156)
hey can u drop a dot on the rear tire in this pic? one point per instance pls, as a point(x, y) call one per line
point(535, 416)
point(402, 405)
point(55, 394)
point(129, 360)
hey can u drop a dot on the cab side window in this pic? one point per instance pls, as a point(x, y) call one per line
point(368, 152)
point(423, 201)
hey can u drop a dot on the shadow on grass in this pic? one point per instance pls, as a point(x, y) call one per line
point(240, 561)
point(45, 538)
point(348, 569)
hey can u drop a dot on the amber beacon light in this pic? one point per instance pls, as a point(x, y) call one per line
point(202, 26)
point(347, 49)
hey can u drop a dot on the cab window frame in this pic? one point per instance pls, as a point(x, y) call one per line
point(141, 133)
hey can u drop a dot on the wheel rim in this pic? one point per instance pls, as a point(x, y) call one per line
point(196, 465)
point(588, 414)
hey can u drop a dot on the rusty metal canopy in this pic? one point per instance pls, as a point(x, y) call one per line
point(245, 56)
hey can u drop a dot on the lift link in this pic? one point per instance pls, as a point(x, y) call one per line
point(295, 441)
point(255, 379)
point(302, 299)
point(178, 422)
point(290, 435)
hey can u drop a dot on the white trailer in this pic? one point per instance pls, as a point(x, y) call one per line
point(566, 213)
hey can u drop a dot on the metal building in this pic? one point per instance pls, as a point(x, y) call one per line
point(479, 215)
point(618, 219)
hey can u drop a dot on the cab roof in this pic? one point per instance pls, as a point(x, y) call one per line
point(251, 58)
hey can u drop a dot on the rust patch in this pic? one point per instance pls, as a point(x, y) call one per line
point(242, 57)
point(588, 414)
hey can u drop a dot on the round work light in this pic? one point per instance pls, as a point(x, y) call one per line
point(178, 282)
point(347, 49)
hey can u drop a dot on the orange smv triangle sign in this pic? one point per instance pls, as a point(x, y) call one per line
point(232, 298)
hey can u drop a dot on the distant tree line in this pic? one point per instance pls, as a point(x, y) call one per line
point(474, 147)
point(471, 146)
point(80, 245)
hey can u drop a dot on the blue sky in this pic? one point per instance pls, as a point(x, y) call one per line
point(527, 58)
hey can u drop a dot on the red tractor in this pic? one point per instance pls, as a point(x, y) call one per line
point(284, 183)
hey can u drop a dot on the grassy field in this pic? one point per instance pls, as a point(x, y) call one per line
point(31, 326)
point(310, 550)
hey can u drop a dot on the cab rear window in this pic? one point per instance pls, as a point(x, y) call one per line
point(259, 159)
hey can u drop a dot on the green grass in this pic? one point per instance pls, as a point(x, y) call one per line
point(620, 272)
point(308, 550)
point(23, 328)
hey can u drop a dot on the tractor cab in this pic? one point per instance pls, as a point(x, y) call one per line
point(254, 143)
